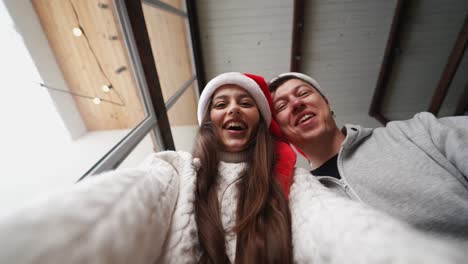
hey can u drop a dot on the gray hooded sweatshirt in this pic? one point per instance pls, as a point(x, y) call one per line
point(415, 170)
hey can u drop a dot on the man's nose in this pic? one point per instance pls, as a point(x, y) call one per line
point(297, 105)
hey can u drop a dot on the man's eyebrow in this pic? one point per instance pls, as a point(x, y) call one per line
point(293, 90)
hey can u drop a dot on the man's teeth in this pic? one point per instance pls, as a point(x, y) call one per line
point(305, 118)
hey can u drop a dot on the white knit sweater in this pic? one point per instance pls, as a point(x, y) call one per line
point(146, 215)
point(183, 248)
point(326, 228)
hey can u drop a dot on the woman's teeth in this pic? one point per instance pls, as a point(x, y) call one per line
point(235, 126)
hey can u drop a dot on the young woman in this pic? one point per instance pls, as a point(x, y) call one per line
point(240, 211)
point(229, 202)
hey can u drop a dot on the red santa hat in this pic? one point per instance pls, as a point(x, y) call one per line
point(258, 89)
point(251, 83)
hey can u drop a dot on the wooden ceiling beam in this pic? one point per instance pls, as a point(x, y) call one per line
point(391, 51)
point(297, 35)
point(450, 69)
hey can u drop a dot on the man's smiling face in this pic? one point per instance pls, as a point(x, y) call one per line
point(302, 113)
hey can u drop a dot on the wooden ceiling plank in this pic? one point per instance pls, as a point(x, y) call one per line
point(89, 61)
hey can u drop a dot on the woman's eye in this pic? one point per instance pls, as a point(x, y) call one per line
point(219, 105)
point(246, 103)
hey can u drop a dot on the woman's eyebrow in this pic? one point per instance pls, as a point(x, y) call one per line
point(220, 97)
point(242, 96)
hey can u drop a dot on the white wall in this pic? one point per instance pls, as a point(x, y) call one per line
point(246, 36)
point(344, 44)
point(37, 153)
point(428, 37)
point(21, 17)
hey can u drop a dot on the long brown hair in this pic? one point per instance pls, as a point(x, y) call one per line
point(263, 224)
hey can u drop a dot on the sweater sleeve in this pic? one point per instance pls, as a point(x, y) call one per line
point(119, 216)
point(327, 228)
point(450, 137)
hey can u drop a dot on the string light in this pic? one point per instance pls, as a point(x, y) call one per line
point(97, 100)
point(77, 31)
point(106, 88)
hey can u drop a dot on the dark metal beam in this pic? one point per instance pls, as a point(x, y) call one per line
point(137, 21)
point(196, 43)
point(388, 60)
point(297, 34)
point(450, 70)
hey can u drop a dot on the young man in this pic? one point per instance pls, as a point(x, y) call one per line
point(415, 170)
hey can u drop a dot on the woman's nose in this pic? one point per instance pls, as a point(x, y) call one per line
point(234, 109)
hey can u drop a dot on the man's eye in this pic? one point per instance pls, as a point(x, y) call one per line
point(280, 107)
point(303, 93)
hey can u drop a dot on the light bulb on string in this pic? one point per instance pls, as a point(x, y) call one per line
point(106, 88)
point(97, 100)
point(77, 31)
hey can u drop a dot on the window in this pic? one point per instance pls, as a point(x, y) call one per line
point(79, 96)
point(169, 34)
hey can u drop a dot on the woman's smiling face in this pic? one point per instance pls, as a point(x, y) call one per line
point(235, 116)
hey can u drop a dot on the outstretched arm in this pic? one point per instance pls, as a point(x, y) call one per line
point(116, 217)
point(327, 228)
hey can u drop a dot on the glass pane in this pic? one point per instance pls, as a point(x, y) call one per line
point(71, 93)
point(140, 152)
point(183, 120)
point(169, 40)
point(169, 37)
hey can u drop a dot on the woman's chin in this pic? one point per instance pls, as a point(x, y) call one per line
point(235, 147)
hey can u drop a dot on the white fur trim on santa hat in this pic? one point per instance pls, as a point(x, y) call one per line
point(300, 76)
point(238, 79)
